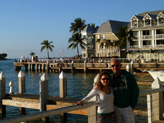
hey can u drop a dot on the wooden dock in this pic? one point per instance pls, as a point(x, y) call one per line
point(44, 102)
point(83, 67)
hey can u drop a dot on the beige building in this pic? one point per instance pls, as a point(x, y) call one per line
point(102, 42)
point(148, 28)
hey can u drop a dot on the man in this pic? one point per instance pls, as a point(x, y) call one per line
point(125, 91)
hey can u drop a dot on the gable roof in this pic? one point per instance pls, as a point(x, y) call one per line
point(151, 12)
point(111, 26)
point(88, 28)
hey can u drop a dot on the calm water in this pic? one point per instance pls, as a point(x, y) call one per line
point(79, 84)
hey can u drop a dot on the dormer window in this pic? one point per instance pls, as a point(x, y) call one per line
point(147, 20)
point(161, 21)
point(134, 21)
point(160, 18)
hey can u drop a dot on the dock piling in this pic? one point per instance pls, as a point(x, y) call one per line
point(157, 101)
point(22, 89)
point(2, 93)
point(62, 85)
point(43, 94)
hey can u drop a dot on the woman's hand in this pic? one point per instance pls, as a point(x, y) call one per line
point(80, 103)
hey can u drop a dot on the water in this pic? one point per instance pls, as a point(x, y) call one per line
point(78, 85)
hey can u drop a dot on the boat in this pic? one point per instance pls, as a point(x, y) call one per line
point(159, 74)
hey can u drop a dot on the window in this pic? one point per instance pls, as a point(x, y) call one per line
point(147, 22)
point(146, 32)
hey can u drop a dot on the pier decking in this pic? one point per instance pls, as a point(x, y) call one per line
point(83, 67)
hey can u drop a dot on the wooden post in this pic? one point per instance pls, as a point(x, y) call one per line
point(157, 101)
point(128, 67)
point(85, 66)
point(47, 66)
point(63, 93)
point(62, 85)
point(43, 94)
point(132, 67)
point(22, 89)
point(149, 107)
point(21, 82)
point(43, 68)
point(72, 67)
point(92, 111)
point(2, 94)
point(26, 67)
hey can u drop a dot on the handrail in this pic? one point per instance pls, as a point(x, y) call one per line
point(49, 113)
point(142, 93)
point(66, 109)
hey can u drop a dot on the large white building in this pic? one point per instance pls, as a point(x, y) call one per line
point(148, 28)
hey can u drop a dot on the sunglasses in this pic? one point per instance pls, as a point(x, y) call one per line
point(115, 65)
point(105, 79)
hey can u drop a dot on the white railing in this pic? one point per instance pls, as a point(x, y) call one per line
point(77, 107)
point(147, 46)
point(157, 36)
point(160, 36)
point(146, 37)
point(50, 113)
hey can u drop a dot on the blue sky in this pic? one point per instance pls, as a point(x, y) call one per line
point(24, 24)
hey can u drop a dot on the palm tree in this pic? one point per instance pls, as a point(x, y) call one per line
point(76, 40)
point(32, 54)
point(77, 25)
point(48, 46)
point(124, 34)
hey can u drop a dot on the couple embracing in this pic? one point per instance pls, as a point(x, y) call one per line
point(117, 95)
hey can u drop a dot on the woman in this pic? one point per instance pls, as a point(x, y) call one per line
point(105, 111)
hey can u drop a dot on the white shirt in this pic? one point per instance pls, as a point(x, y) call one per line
point(105, 100)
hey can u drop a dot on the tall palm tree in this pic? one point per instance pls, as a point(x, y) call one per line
point(77, 25)
point(76, 40)
point(48, 46)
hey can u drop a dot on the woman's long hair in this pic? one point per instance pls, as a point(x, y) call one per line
point(98, 83)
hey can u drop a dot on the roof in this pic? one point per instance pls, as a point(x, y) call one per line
point(111, 26)
point(151, 12)
point(88, 28)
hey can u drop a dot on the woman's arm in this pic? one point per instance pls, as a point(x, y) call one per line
point(91, 94)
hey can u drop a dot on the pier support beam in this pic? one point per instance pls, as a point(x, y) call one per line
point(92, 111)
point(2, 94)
point(157, 101)
point(63, 93)
point(72, 70)
point(44, 94)
point(62, 85)
point(85, 66)
point(132, 66)
point(22, 89)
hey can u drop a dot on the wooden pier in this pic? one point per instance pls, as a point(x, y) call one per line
point(44, 102)
point(83, 67)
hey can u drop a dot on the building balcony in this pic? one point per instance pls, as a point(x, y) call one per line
point(150, 37)
point(146, 47)
point(160, 36)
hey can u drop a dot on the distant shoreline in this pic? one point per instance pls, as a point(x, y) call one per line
point(4, 59)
